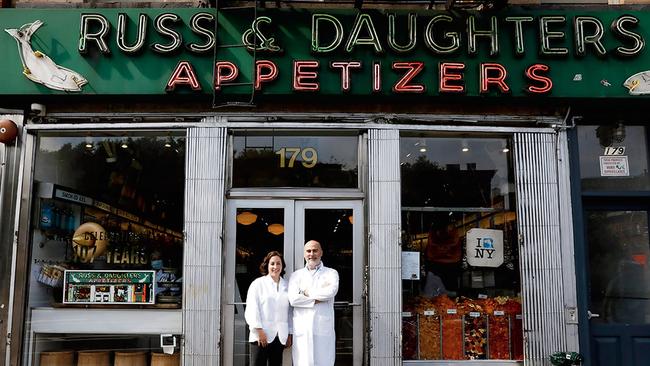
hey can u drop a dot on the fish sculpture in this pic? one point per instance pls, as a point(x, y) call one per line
point(38, 67)
point(639, 83)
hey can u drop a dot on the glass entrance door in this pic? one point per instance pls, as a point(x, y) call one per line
point(256, 227)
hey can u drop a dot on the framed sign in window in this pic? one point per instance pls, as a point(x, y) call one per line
point(109, 287)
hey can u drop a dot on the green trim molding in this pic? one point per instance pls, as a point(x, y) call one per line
point(516, 52)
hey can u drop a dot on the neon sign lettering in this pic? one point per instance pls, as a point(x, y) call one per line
point(338, 41)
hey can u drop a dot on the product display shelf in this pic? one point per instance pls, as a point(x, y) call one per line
point(466, 331)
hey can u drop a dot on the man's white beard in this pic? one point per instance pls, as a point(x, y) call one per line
point(311, 263)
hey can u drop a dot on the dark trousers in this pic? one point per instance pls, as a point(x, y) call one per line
point(272, 353)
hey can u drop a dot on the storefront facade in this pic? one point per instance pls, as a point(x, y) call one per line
point(427, 150)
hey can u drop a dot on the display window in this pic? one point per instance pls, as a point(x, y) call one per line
point(107, 224)
point(295, 159)
point(460, 260)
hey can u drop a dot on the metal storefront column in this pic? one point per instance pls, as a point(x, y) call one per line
point(542, 243)
point(10, 161)
point(384, 252)
point(204, 208)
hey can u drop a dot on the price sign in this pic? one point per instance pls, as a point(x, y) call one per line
point(429, 312)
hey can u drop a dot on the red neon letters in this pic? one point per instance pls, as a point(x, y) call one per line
point(450, 72)
point(302, 72)
point(183, 75)
point(265, 71)
point(402, 85)
point(411, 77)
point(545, 84)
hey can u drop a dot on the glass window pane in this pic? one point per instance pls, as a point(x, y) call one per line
point(110, 207)
point(613, 157)
point(259, 231)
point(333, 228)
point(618, 260)
point(454, 172)
point(295, 161)
point(457, 211)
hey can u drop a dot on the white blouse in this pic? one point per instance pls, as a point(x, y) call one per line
point(267, 307)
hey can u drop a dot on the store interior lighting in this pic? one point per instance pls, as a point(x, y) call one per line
point(422, 145)
point(275, 229)
point(246, 218)
point(89, 142)
point(505, 148)
point(465, 146)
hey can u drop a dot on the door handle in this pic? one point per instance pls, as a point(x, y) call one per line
point(592, 315)
point(345, 303)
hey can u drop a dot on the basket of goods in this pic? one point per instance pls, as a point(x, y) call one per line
point(513, 310)
point(452, 328)
point(57, 358)
point(498, 328)
point(409, 333)
point(429, 330)
point(474, 329)
point(133, 358)
point(93, 358)
point(163, 359)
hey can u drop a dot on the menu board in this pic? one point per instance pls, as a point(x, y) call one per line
point(109, 287)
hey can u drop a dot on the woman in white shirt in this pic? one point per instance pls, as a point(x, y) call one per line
point(268, 313)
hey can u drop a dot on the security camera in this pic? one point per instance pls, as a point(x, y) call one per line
point(37, 109)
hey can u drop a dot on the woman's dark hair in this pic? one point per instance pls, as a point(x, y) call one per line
point(264, 267)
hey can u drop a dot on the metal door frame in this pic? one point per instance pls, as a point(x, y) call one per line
point(357, 261)
point(624, 331)
point(228, 300)
point(293, 242)
point(582, 202)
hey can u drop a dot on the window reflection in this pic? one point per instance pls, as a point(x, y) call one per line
point(454, 172)
point(282, 160)
point(108, 203)
point(619, 250)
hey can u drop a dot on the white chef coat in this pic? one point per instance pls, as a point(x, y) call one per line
point(267, 307)
point(314, 341)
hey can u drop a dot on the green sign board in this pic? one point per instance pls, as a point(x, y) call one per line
point(519, 52)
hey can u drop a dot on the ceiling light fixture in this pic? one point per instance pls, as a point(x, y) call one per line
point(246, 218)
point(276, 229)
point(423, 146)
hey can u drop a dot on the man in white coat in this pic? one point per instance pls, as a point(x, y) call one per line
point(311, 293)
